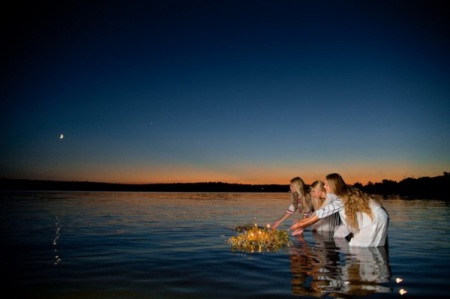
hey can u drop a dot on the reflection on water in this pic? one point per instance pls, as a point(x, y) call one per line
point(55, 240)
point(332, 267)
point(173, 245)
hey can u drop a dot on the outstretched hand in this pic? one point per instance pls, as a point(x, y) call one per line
point(295, 226)
point(299, 226)
point(276, 224)
point(297, 232)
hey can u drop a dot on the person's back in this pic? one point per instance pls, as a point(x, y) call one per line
point(372, 231)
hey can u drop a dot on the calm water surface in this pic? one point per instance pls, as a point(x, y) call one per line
point(174, 245)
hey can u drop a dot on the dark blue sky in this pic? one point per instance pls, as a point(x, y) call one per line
point(234, 91)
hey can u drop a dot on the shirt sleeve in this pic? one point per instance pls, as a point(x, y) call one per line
point(291, 209)
point(334, 206)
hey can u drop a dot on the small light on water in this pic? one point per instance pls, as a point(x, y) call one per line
point(398, 280)
point(402, 291)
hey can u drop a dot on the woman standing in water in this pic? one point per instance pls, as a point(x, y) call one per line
point(318, 200)
point(364, 220)
point(301, 201)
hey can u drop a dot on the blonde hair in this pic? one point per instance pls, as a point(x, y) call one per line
point(301, 194)
point(317, 202)
point(354, 200)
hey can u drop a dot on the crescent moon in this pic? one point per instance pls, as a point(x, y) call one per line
point(61, 136)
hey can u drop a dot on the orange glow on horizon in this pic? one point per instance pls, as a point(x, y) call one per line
point(239, 174)
point(271, 172)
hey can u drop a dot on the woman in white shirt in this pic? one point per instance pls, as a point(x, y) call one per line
point(364, 220)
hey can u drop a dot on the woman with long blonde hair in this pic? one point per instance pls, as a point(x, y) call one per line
point(301, 201)
point(318, 200)
point(364, 220)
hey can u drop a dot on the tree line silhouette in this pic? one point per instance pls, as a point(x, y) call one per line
point(423, 187)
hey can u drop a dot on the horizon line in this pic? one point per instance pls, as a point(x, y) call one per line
point(199, 182)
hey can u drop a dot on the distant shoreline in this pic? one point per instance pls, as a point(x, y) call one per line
point(424, 187)
point(21, 184)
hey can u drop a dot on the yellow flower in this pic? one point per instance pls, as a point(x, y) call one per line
point(254, 238)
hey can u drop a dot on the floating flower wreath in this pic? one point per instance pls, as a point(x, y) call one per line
point(252, 238)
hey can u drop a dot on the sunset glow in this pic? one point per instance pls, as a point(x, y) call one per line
point(149, 93)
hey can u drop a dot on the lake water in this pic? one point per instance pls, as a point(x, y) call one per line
point(174, 245)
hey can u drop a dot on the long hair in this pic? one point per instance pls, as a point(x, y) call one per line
point(317, 202)
point(333, 220)
point(301, 194)
point(354, 200)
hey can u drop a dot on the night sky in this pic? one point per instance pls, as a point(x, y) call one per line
point(230, 91)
